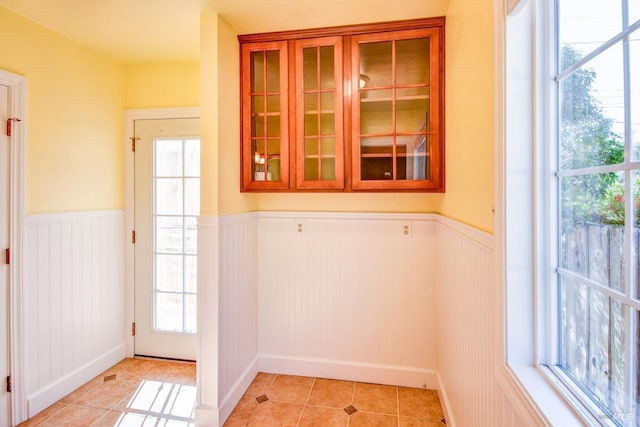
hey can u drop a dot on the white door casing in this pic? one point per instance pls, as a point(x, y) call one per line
point(12, 208)
point(5, 404)
point(152, 335)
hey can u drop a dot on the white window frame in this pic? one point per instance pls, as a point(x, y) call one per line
point(528, 198)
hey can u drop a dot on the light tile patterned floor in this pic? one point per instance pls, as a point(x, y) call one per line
point(282, 400)
point(135, 392)
point(142, 392)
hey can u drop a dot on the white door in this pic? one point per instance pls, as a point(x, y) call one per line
point(167, 203)
point(4, 268)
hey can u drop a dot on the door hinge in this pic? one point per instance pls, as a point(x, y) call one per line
point(133, 143)
point(133, 236)
point(133, 329)
point(7, 256)
point(9, 385)
point(10, 121)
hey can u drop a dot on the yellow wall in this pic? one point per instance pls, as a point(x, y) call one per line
point(209, 113)
point(163, 85)
point(469, 115)
point(230, 199)
point(74, 122)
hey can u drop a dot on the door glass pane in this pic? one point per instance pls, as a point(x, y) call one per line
point(177, 204)
point(190, 273)
point(412, 61)
point(169, 272)
point(376, 112)
point(310, 67)
point(328, 169)
point(190, 235)
point(328, 147)
point(327, 117)
point(586, 25)
point(192, 157)
point(327, 67)
point(376, 158)
point(169, 155)
point(192, 196)
point(273, 71)
point(169, 312)
point(169, 234)
point(191, 313)
point(412, 113)
point(311, 169)
point(592, 113)
point(376, 63)
point(257, 72)
point(168, 196)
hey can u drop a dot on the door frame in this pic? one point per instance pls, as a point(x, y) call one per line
point(130, 116)
point(17, 108)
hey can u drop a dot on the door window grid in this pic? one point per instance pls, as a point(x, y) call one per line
point(599, 185)
point(176, 187)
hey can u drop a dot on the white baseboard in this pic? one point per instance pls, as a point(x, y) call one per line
point(444, 403)
point(55, 391)
point(237, 391)
point(207, 416)
point(350, 371)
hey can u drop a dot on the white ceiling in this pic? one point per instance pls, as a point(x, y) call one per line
point(169, 30)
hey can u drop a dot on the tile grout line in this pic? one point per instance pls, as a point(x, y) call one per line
point(353, 400)
point(398, 405)
point(306, 400)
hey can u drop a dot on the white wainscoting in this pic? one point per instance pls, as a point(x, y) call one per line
point(238, 299)
point(73, 301)
point(350, 296)
point(347, 296)
point(473, 388)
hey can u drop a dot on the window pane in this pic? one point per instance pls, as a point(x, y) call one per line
point(169, 312)
point(592, 230)
point(592, 113)
point(412, 61)
point(169, 273)
point(168, 157)
point(376, 63)
point(192, 157)
point(592, 343)
point(587, 24)
point(169, 234)
point(634, 48)
point(168, 196)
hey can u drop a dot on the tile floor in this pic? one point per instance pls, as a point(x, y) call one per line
point(282, 400)
point(143, 392)
point(135, 392)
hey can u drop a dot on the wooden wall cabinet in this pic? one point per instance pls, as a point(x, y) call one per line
point(356, 108)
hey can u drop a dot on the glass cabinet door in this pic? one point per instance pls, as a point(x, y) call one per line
point(395, 120)
point(319, 139)
point(265, 116)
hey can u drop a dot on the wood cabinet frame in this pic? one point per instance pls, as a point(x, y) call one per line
point(345, 38)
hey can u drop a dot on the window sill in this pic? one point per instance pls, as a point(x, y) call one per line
point(543, 389)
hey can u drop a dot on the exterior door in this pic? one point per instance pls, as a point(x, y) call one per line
point(167, 203)
point(4, 268)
